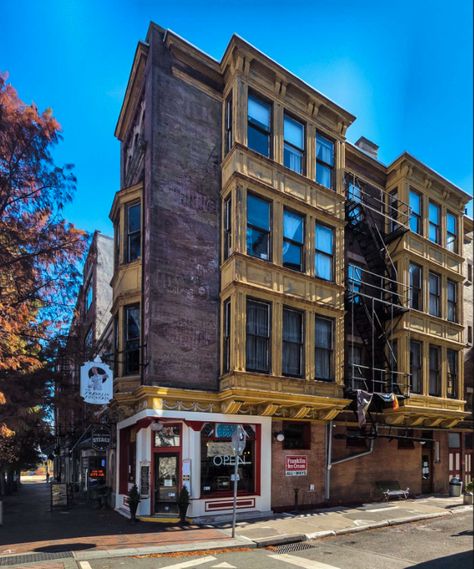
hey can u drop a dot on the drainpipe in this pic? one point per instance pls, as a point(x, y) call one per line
point(330, 462)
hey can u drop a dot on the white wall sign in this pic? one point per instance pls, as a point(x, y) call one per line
point(96, 382)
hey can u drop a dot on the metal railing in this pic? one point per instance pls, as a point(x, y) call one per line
point(395, 211)
point(362, 282)
point(378, 380)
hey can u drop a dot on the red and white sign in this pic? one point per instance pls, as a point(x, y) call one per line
point(296, 465)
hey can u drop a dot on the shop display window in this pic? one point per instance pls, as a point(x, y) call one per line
point(217, 460)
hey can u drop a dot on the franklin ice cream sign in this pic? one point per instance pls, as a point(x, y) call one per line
point(96, 382)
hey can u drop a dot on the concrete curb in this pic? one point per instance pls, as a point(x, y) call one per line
point(282, 539)
point(172, 548)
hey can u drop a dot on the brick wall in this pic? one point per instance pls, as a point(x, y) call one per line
point(355, 481)
point(283, 487)
point(181, 203)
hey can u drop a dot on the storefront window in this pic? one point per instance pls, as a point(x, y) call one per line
point(217, 460)
point(168, 437)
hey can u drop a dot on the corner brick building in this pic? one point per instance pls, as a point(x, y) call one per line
point(268, 272)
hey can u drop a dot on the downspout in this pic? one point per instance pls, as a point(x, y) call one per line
point(330, 462)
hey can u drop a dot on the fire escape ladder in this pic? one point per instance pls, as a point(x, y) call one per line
point(374, 296)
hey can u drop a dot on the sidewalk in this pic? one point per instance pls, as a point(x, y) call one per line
point(288, 528)
point(29, 527)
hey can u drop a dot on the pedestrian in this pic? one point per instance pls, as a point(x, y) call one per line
point(47, 477)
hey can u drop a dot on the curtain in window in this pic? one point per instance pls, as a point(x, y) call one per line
point(324, 150)
point(435, 387)
point(323, 354)
point(293, 226)
point(257, 336)
point(292, 342)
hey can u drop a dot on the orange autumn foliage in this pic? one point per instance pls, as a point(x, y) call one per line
point(39, 250)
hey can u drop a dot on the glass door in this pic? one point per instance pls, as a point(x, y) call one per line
point(166, 483)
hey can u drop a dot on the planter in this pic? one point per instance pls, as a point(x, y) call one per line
point(468, 499)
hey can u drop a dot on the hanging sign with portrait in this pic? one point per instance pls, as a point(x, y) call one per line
point(96, 382)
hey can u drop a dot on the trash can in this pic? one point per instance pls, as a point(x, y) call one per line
point(455, 487)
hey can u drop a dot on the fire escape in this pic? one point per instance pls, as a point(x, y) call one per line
point(375, 298)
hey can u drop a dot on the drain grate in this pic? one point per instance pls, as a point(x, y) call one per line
point(33, 557)
point(291, 547)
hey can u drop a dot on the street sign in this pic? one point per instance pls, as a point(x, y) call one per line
point(96, 382)
point(100, 438)
point(239, 440)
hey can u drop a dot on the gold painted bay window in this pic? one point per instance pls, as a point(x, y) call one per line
point(293, 240)
point(324, 252)
point(416, 370)
point(259, 126)
point(258, 336)
point(324, 349)
point(416, 212)
point(133, 232)
point(452, 361)
point(293, 343)
point(324, 161)
point(434, 223)
point(451, 232)
point(294, 144)
point(435, 370)
point(259, 212)
point(131, 339)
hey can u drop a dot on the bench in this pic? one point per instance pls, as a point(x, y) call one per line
point(391, 488)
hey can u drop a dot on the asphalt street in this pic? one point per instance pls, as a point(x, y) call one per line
point(445, 543)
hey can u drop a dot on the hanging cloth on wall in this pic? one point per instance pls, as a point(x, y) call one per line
point(363, 401)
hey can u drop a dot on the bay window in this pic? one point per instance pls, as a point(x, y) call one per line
point(324, 161)
point(435, 292)
point(416, 219)
point(451, 232)
point(259, 126)
point(324, 349)
point(132, 339)
point(452, 357)
point(324, 252)
point(293, 342)
point(228, 124)
point(293, 240)
point(435, 371)
point(133, 232)
point(226, 337)
point(293, 145)
point(416, 291)
point(416, 370)
point(452, 301)
point(434, 218)
point(258, 336)
point(258, 227)
point(227, 227)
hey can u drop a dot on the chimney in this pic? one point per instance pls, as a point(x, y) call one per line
point(368, 147)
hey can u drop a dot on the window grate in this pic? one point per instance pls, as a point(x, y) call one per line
point(33, 557)
point(292, 547)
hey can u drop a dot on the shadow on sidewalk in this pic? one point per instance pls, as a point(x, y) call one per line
point(29, 525)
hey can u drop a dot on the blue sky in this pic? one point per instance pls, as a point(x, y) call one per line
point(404, 68)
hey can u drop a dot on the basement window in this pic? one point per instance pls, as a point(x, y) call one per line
point(297, 436)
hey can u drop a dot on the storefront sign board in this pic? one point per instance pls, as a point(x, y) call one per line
point(296, 465)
